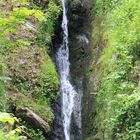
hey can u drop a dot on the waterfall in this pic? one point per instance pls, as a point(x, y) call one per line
point(69, 96)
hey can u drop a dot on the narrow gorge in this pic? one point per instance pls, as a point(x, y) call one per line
point(69, 70)
point(68, 94)
point(71, 55)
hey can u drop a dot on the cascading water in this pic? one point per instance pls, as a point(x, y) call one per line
point(68, 93)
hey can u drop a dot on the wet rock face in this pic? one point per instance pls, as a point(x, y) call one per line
point(79, 36)
point(79, 16)
point(57, 133)
point(80, 28)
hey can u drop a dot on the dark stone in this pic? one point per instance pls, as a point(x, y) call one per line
point(57, 129)
point(80, 27)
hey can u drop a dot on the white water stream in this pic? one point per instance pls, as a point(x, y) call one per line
point(69, 94)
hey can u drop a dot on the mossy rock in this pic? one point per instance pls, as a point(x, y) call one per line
point(40, 107)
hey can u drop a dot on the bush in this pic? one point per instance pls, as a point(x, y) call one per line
point(5, 132)
point(3, 87)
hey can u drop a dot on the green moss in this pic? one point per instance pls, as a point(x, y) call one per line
point(24, 13)
point(43, 92)
point(38, 89)
point(48, 80)
point(39, 106)
point(10, 136)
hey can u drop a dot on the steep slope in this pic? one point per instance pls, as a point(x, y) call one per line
point(28, 77)
point(114, 71)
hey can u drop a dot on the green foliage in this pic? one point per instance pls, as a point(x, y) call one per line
point(119, 94)
point(48, 80)
point(4, 132)
point(52, 15)
point(3, 87)
point(46, 29)
point(24, 13)
point(5, 117)
point(35, 90)
point(8, 24)
point(34, 81)
point(40, 88)
point(22, 43)
point(19, 16)
point(15, 134)
point(128, 124)
point(21, 2)
point(10, 136)
point(5, 28)
point(104, 6)
point(35, 134)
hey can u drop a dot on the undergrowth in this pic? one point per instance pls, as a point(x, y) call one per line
point(118, 109)
point(27, 75)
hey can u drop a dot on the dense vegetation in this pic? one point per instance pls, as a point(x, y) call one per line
point(116, 36)
point(28, 77)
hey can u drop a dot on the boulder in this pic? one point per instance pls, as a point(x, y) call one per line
point(31, 117)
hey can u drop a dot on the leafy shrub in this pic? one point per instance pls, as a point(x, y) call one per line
point(128, 123)
point(9, 136)
point(36, 134)
point(4, 132)
point(21, 2)
point(24, 13)
point(118, 96)
point(16, 133)
point(46, 29)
